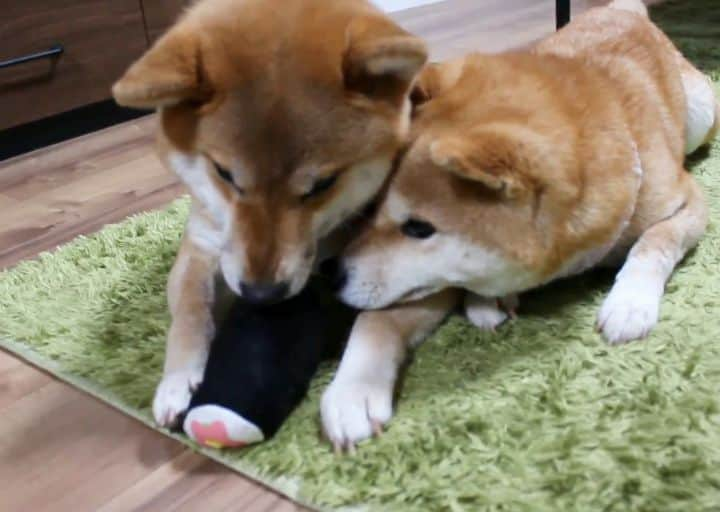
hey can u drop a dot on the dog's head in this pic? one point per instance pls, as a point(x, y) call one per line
point(283, 118)
point(472, 204)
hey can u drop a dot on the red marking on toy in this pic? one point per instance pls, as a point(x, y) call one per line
point(214, 434)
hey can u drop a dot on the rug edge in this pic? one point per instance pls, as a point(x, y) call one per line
point(26, 354)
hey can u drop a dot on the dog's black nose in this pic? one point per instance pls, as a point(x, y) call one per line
point(264, 293)
point(335, 272)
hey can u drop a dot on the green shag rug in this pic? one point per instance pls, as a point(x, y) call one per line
point(541, 416)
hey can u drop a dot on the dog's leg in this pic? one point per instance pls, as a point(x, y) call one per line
point(632, 307)
point(488, 313)
point(702, 123)
point(359, 400)
point(190, 299)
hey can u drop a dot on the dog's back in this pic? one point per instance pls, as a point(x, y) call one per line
point(668, 104)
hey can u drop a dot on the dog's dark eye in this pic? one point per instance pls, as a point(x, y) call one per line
point(224, 174)
point(320, 186)
point(415, 228)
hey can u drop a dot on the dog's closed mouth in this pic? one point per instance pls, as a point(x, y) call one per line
point(415, 293)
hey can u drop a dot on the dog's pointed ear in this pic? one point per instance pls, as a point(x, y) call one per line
point(381, 59)
point(422, 89)
point(436, 78)
point(487, 161)
point(167, 74)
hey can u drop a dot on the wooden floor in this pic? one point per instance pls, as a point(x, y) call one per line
point(63, 450)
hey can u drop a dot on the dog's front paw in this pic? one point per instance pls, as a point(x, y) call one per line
point(354, 409)
point(485, 316)
point(488, 313)
point(629, 312)
point(173, 395)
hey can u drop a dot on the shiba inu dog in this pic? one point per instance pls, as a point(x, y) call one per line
point(524, 168)
point(283, 118)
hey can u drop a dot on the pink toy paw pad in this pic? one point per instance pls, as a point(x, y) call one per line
point(214, 435)
point(218, 427)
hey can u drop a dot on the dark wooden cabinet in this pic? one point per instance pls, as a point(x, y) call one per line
point(99, 39)
point(160, 14)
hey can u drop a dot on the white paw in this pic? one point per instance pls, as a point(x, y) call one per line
point(629, 312)
point(354, 409)
point(486, 317)
point(173, 394)
point(485, 313)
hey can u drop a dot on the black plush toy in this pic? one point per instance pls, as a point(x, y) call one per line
point(260, 365)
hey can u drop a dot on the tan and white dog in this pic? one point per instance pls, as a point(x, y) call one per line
point(283, 117)
point(524, 168)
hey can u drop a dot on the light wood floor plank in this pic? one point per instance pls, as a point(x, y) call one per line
point(18, 380)
point(156, 482)
point(59, 448)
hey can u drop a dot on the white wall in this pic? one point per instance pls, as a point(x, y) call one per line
point(399, 5)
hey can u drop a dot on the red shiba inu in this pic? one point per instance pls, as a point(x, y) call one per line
point(524, 168)
point(283, 118)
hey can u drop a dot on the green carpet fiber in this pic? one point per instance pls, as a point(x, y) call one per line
point(540, 416)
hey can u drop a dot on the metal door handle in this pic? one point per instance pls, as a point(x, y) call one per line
point(51, 53)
